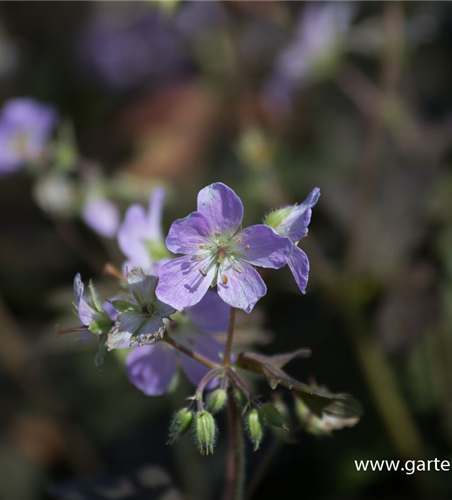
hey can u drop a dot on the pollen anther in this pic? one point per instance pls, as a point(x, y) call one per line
point(247, 247)
point(203, 271)
point(225, 279)
point(237, 270)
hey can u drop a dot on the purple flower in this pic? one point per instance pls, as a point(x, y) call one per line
point(140, 235)
point(25, 127)
point(312, 53)
point(217, 253)
point(152, 368)
point(292, 222)
point(132, 47)
point(101, 215)
point(141, 314)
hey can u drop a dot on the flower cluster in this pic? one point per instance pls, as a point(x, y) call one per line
point(181, 296)
point(188, 298)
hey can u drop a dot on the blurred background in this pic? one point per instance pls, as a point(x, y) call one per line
point(273, 99)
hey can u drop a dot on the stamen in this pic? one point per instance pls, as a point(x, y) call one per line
point(232, 257)
point(197, 259)
point(217, 233)
point(247, 247)
point(237, 270)
point(225, 279)
point(221, 254)
point(239, 239)
point(203, 271)
point(202, 245)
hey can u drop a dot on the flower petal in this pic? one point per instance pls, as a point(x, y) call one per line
point(211, 314)
point(151, 368)
point(101, 215)
point(299, 265)
point(221, 207)
point(184, 281)
point(142, 286)
point(207, 346)
point(185, 235)
point(295, 226)
point(86, 313)
point(154, 216)
point(240, 285)
point(131, 236)
point(261, 246)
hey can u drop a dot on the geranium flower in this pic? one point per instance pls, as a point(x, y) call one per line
point(217, 253)
point(152, 368)
point(140, 236)
point(141, 314)
point(101, 215)
point(25, 127)
point(292, 222)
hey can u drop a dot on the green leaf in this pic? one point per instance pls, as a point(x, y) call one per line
point(319, 400)
point(99, 358)
point(95, 297)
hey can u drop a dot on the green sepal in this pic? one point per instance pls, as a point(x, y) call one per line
point(123, 306)
point(100, 326)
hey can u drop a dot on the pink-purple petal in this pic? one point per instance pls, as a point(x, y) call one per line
point(295, 226)
point(261, 246)
point(151, 368)
point(185, 235)
point(184, 281)
point(131, 235)
point(154, 215)
point(102, 216)
point(299, 265)
point(240, 285)
point(221, 207)
point(211, 314)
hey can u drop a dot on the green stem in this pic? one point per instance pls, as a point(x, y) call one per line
point(235, 468)
point(194, 355)
point(230, 339)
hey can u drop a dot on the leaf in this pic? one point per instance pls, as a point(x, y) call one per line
point(99, 358)
point(319, 400)
point(95, 297)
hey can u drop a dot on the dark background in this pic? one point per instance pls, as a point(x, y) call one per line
point(372, 127)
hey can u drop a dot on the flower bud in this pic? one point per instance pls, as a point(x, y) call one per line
point(277, 217)
point(255, 428)
point(216, 400)
point(271, 415)
point(180, 424)
point(205, 432)
point(240, 397)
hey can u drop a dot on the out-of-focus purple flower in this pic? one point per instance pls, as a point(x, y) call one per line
point(217, 253)
point(131, 47)
point(195, 19)
point(141, 314)
point(140, 235)
point(101, 215)
point(292, 222)
point(25, 127)
point(313, 51)
point(152, 368)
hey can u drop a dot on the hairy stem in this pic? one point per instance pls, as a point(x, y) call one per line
point(194, 355)
point(230, 339)
point(202, 385)
point(235, 467)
